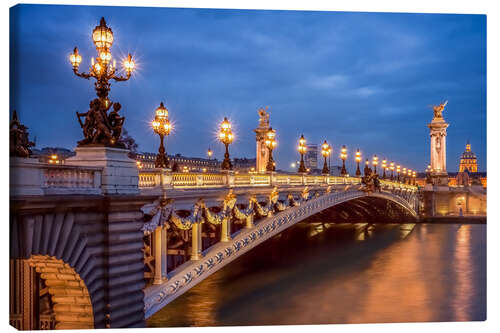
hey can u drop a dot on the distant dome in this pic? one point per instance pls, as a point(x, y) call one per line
point(468, 161)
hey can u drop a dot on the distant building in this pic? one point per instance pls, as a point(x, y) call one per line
point(244, 164)
point(147, 160)
point(311, 156)
point(52, 154)
point(468, 161)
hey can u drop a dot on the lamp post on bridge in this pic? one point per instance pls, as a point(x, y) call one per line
point(384, 167)
point(343, 156)
point(375, 163)
point(391, 167)
point(271, 144)
point(409, 176)
point(358, 159)
point(209, 153)
point(226, 137)
point(102, 70)
point(414, 178)
point(325, 151)
point(161, 126)
point(398, 170)
point(302, 150)
point(403, 179)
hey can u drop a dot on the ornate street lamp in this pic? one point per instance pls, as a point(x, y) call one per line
point(391, 167)
point(161, 126)
point(271, 144)
point(358, 159)
point(302, 150)
point(210, 153)
point(375, 163)
point(398, 170)
point(343, 156)
point(325, 151)
point(414, 178)
point(102, 70)
point(367, 169)
point(403, 180)
point(384, 167)
point(409, 176)
point(226, 137)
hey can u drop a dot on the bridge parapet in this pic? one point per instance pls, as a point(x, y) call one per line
point(29, 177)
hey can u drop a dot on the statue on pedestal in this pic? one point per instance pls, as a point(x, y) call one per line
point(20, 145)
point(99, 127)
point(263, 117)
point(438, 110)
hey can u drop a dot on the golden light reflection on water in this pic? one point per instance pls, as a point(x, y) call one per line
point(463, 285)
point(345, 273)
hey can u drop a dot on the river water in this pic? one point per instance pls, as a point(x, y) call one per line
point(320, 273)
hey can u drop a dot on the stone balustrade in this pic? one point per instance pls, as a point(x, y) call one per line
point(30, 177)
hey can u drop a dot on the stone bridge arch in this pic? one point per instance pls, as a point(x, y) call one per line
point(219, 255)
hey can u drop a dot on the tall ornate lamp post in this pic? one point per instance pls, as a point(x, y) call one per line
point(410, 174)
point(102, 70)
point(358, 160)
point(375, 163)
point(414, 178)
point(302, 150)
point(101, 127)
point(403, 180)
point(161, 126)
point(391, 167)
point(384, 167)
point(226, 137)
point(398, 170)
point(209, 153)
point(343, 156)
point(271, 144)
point(325, 151)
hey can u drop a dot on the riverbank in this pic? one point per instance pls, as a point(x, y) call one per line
point(454, 219)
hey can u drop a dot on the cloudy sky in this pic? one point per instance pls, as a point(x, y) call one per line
point(365, 80)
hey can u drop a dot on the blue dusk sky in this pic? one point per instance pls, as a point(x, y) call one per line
point(365, 80)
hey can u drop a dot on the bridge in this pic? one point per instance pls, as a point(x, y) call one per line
point(113, 260)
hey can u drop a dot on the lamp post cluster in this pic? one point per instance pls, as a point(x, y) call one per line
point(226, 137)
point(271, 144)
point(326, 150)
point(302, 150)
point(102, 69)
point(358, 159)
point(161, 126)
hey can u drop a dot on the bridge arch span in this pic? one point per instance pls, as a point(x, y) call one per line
point(55, 246)
point(193, 272)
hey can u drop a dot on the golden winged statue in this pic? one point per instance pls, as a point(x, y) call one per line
point(438, 109)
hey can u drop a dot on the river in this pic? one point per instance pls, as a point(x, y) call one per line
point(325, 273)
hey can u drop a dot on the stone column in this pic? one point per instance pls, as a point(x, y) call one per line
point(157, 253)
point(438, 172)
point(225, 230)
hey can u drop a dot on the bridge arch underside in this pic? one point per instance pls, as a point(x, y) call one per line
point(354, 206)
point(366, 209)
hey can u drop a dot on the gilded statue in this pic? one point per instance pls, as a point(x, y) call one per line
point(438, 109)
point(263, 117)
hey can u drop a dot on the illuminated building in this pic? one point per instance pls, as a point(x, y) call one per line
point(468, 161)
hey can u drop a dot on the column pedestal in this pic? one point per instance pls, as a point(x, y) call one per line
point(119, 175)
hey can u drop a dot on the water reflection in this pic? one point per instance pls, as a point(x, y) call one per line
point(319, 273)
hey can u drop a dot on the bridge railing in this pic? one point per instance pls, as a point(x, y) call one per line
point(156, 178)
point(45, 179)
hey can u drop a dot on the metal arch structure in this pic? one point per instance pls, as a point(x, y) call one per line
point(219, 255)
